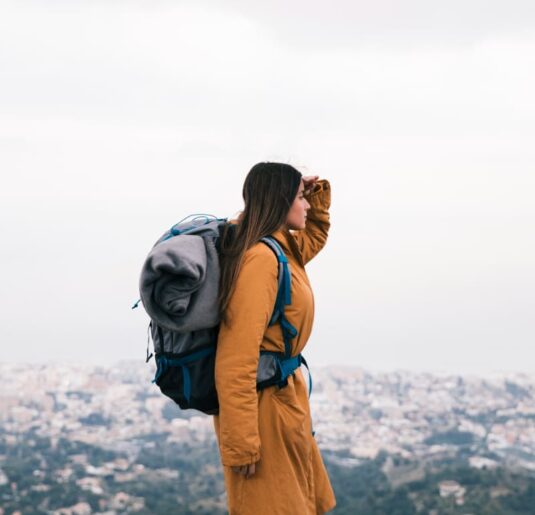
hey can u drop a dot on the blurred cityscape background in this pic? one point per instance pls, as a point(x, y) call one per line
point(77, 440)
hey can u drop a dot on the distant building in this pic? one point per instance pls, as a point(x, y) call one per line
point(450, 488)
point(479, 462)
point(82, 508)
point(122, 501)
point(365, 451)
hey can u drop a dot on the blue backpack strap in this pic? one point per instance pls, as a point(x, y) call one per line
point(163, 363)
point(287, 366)
point(304, 361)
point(190, 223)
point(284, 295)
point(284, 298)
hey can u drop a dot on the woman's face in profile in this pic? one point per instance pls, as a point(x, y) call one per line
point(297, 216)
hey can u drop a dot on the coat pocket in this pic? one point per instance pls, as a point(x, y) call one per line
point(294, 426)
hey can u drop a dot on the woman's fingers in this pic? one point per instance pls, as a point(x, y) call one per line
point(245, 470)
point(309, 181)
point(310, 178)
point(251, 470)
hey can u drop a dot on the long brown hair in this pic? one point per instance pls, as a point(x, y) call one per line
point(268, 193)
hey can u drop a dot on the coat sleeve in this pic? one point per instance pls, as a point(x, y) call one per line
point(313, 238)
point(238, 348)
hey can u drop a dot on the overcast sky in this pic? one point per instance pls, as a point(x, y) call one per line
point(118, 118)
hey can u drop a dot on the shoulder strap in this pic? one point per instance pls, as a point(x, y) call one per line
point(284, 295)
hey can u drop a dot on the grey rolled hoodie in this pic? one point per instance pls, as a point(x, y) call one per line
point(179, 280)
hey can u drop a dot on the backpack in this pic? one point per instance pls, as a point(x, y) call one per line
point(179, 286)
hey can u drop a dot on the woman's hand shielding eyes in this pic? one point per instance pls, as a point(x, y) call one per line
point(309, 181)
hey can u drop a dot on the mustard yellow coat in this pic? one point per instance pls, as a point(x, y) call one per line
point(271, 428)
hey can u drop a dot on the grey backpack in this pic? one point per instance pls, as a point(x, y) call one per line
point(179, 290)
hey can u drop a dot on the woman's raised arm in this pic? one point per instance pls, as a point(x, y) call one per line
point(313, 238)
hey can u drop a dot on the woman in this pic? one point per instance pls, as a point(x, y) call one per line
point(272, 464)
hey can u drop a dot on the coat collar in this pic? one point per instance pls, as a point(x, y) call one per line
point(282, 236)
point(288, 243)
